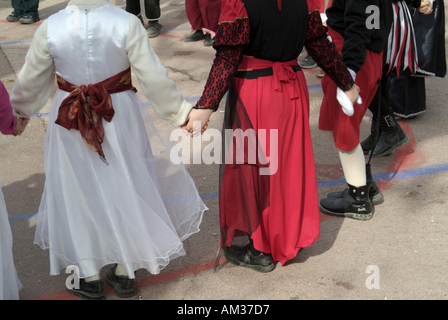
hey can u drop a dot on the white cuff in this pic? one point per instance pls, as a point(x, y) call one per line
point(352, 73)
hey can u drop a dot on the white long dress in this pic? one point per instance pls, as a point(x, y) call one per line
point(138, 209)
point(9, 282)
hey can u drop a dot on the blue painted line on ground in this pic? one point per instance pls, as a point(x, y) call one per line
point(395, 175)
point(14, 42)
point(178, 29)
point(386, 176)
point(315, 87)
point(22, 216)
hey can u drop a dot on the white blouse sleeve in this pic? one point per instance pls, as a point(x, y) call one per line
point(35, 81)
point(160, 90)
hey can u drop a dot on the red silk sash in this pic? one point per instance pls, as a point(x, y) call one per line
point(85, 115)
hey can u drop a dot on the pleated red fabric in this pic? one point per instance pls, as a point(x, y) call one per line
point(279, 210)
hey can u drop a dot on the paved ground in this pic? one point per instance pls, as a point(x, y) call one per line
point(406, 241)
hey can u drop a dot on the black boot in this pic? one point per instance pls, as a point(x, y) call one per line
point(369, 143)
point(375, 195)
point(355, 204)
point(249, 257)
point(123, 286)
point(208, 41)
point(391, 138)
point(153, 29)
point(92, 290)
point(195, 36)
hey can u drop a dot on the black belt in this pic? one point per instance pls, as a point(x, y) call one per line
point(254, 74)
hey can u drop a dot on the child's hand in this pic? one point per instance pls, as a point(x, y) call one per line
point(347, 99)
point(353, 94)
point(20, 126)
point(197, 116)
point(425, 7)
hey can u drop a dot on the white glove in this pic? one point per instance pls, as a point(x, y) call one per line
point(344, 101)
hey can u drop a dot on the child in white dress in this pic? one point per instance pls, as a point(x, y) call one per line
point(112, 195)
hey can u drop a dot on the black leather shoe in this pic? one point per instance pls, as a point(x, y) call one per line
point(92, 290)
point(153, 29)
point(375, 195)
point(389, 142)
point(195, 36)
point(391, 136)
point(243, 257)
point(123, 286)
point(13, 17)
point(355, 204)
point(28, 19)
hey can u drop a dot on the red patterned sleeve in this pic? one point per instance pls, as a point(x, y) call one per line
point(325, 54)
point(231, 37)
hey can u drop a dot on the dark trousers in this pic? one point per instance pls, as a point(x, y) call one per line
point(26, 7)
point(381, 99)
point(203, 13)
point(152, 8)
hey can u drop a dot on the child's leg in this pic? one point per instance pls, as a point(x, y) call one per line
point(93, 278)
point(354, 201)
point(121, 270)
point(354, 166)
point(353, 163)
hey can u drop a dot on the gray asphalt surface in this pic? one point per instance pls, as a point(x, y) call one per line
point(406, 241)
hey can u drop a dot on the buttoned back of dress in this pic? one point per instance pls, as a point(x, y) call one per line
point(88, 43)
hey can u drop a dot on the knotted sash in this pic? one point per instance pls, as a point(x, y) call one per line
point(85, 115)
point(281, 71)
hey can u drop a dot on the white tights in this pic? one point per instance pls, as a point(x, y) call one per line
point(353, 164)
point(119, 271)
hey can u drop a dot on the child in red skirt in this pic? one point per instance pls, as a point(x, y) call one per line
point(257, 45)
point(361, 48)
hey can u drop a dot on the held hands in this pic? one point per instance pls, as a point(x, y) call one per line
point(20, 126)
point(353, 94)
point(426, 7)
point(195, 116)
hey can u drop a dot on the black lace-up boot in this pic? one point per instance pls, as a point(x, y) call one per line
point(354, 204)
point(375, 195)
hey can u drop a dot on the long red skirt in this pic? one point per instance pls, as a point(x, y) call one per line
point(278, 210)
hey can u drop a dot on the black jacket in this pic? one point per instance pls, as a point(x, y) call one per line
point(349, 18)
